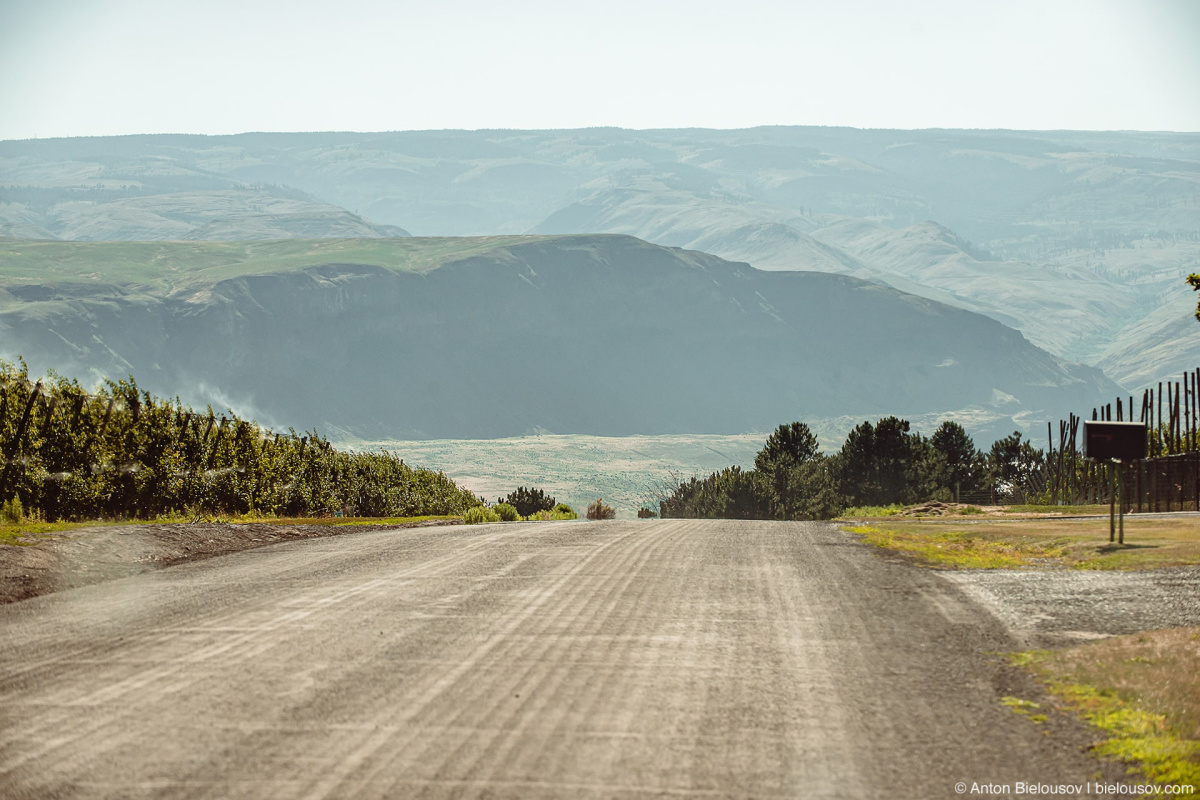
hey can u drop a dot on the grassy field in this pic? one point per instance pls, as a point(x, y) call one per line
point(1011, 543)
point(965, 510)
point(171, 264)
point(1140, 690)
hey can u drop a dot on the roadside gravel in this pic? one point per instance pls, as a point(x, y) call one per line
point(85, 556)
point(1050, 608)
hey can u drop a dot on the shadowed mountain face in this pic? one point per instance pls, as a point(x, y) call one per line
point(585, 334)
point(1079, 238)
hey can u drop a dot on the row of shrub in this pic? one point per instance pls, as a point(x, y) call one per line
point(530, 504)
point(878, 465)
point(118, 452)
point(506, 512)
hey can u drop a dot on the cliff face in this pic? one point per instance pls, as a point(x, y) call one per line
point(589, 334)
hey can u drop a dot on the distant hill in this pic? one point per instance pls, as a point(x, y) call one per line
point(134, 214)
point(1065, 309)
point(1163, 345)
point(1075, 238)
point(479, 338)
point(658, 211)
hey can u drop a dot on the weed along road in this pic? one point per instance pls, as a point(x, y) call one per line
point(620, 659)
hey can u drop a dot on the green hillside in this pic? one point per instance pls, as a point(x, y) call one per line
point(171, 265)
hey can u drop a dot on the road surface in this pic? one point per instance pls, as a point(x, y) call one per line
point(621, 659)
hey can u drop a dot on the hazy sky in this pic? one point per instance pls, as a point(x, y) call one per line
point(87, 67)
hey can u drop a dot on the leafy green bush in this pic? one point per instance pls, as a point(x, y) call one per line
point(732, 493)
point(563, 511)
point(873, 511)
point(506, 512)
point(529, 501)
point(540, 516)
point(120, 452)
point(11, 512)
point(598, 510)
point(480, 514)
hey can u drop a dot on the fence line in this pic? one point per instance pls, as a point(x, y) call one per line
point(1169, 479)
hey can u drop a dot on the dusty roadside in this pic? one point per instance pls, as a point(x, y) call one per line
point(1109, 630)
point(44, 563)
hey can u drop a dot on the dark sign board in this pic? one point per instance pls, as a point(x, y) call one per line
point(1114, 441)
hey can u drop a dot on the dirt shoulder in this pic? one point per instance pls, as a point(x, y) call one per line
point(37, 564)
point(1114, 626)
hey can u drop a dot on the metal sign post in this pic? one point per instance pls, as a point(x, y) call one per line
point(1117, 443)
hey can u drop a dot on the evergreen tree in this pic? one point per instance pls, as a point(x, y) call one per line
point(779, 463)
point(960, 465)
point(884, 463)
point(528, 501)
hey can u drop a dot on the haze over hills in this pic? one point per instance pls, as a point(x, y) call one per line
point(147, 202)
point(1077, 239)
point(480, 338)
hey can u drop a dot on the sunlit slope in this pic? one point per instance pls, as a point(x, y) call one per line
point(444, 338)
point(174, 265)
point(1066, 308)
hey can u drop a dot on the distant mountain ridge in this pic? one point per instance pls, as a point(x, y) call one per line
point(133, 214)
point(446, 338)
point(1079, 238)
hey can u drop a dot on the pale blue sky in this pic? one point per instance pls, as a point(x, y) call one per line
point(86, 67)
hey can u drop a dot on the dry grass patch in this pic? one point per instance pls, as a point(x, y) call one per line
point(1142, 690)
point(943, 510)
point(1005, 544)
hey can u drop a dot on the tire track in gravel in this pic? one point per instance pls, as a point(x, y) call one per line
point(585, 603)
point(504, 645)
point(252, 632)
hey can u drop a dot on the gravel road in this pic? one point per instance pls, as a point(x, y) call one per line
point(551, 660)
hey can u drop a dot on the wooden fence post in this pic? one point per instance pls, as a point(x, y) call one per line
point(50, 406)
point(15, 446)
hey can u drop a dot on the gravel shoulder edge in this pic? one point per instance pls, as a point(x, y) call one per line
point(90, 555)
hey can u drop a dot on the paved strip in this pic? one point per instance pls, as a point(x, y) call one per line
point(631, 659)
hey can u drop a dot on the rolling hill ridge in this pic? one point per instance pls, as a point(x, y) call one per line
point(480, 338)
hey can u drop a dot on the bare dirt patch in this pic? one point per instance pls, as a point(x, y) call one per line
point(42, 563)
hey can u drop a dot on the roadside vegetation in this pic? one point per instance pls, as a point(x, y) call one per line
point(120, 453)
point(527, 502)
point(521, 505)
point(598, 510)
point(1140, 690)
point(26, 531)
point(997, 543)
point(880, 467)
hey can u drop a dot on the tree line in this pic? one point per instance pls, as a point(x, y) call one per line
point(118, 452)
point(878, 465)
